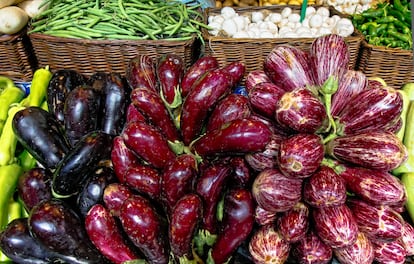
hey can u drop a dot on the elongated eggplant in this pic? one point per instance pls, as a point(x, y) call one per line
point(133, 114)
point(107, 236)
point(145, 228)
point(241, 172)
point(42, 135)
point(202, 98)
point(34, 186)
point(263, 98)
point(150, 104)
point(255, 77)
point(294, 223)
point(144, 179)
point(81, 112)
point(63, 81)
point(60, 229)
point(236, 71)
point(114, 196)
point(195, 71)
point(169, 69)
point(148, 143)
point(240, 136)
point(141, 72)
point(122, 157)
point(78, 164)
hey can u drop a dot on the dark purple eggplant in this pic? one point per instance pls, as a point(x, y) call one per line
point(266, 159)
point(235, 70)
point(185, 218)
point(150, 104)
point(204, 95)
point(178, 179)
point(294, 223)
point(241, 172)
point(144, 179)
point(255, 77)
point(169, 69)
point(122, 157)
point(62, 82)
point(195, 71)
point(264, 97)
point(81, 112)
point(133, 114)
point(311, 250)
point(114, 196)
point(81, 160)
point(107, 236)
point(60, 229)
point(239, 136)
point(236, 226)
point(34, 186)
point(233, 106)
point(92, 190)
point(148, 143)
point(300, 155)
point(145, 228)
point(141, 72)
point(361, 252)
point(41, 134)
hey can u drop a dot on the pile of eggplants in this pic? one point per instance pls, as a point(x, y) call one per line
point(168, 164)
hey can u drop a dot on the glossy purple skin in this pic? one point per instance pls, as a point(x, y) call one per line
point(144, 227)
point(150, 104)
point(105, 234)
point(300, 155)
point(374, 186)
point(195, 71)
point(361, 251)
point(114, 196)
point(141, 72)
point(374, 150)
point(147, 142)
point(267, 245)
point(241, 172)
point(236, 225)
point(178, 178)
point(239, 136)
point(235, 70)
point(376, 110)
point(350, 83)
point(169, 70)
point(263, 98)
point(132, 114)
point(232, 107)
point(311, 250)
point(389, 252)
point(122, 157)
point(294, 223)
point(34, 186)
point(254, 77)
point(144, 179)
point(276, 192)
point(264, 217)
point(301, 111)
point(288, 67)
point(335, 225)
point(324, 188)
point(329, 56)
point(185, 217)
point(201, 99)
point(377, 222)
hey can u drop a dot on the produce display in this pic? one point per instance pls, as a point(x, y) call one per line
point(168, 164)
point(350, 7)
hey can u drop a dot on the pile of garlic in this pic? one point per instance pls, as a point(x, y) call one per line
point(347, 6)
point(284, 24)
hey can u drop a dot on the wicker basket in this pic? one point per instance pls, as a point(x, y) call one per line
point(90, 56)
point(253, 51)
point(17, 60)
point(395, 66)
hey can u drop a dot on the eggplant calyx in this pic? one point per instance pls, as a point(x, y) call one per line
point(203, 238)
point(177, 101)
point(177, 146)
point(333, 164)
point(135, 261)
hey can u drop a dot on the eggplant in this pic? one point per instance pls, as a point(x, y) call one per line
point(241, 175)
point(264, 217)
point(311, 250)
point(236, 225)
point(407, 237)
point(133, 114)
point(77, 165)
point(266, 159)
point(362, 251)
point(389, 251)
point(114, 196)
point(59, 228)
point(144, 179)
point(81, 112)
point(255, 77)
point(264, 97)
point(236, 71)
point(141, 72)
point(294, 223)
point(169, 69)
point(62, 82)
point(267, 245)
point(122, 158)
point(42, 135)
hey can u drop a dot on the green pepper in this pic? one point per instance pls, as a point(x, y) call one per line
point(9, 176)
point(374, 12)
point(409, 89)
point(408, 180)
point(408, 140)
point(38, 88)
point(9, 95)
point(8, 140)
point(406, 104)
point(403, 37)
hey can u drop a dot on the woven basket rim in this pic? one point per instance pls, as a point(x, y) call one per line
point(365, 44)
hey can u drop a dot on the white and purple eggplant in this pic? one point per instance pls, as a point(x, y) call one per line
point(389, 251)
point(360, 252)
point(311, 250)
point(294, 223)
point(255, 77)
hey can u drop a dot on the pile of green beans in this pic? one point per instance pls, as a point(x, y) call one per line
point(119, 19)
point(387, 24)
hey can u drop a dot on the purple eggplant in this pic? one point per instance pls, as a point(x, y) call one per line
point(114, 196)
point(361, 251)
point(144, 179)
point(141, 72)
point(374, 150)
point(122, 158)
point(169, 69)
point(300, 155)
point(294, 223)
point(407, 237)
point(148, 143)
point(389, 251)
point(133, 114)
point(241, 172)
point(266, 159)
point(275, 192)
point(264, 97)
point(235, 70)
point(255, 77)
point(264, 217)
point(311, 250)
point(239, 136)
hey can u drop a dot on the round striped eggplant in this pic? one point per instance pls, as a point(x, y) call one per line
point(375, 150)
point(389, 251)
point(300, 155)
point(267, 245)
point(361, 252)
point(335, 225)
point(275, 192)
point(255, 77)
point(311, 250)
point(407, 238)
point(264, 217)
point(324, 188)
point(301, 111)
point(263, 98)
point(294, 223)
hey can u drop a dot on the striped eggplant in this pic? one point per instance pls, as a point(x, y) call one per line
point(361, 251)
point(263, 98)
point(373, 150)
point(311, 250)
point(264, 217)
point(376, 109)
point(389, 251)
point(255, 77)
point(407, 237)
point(288, 67)
point(141, 72)
point(329, 56)
point(294, 223)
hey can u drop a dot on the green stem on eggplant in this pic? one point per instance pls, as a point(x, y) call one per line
point(328, 89)
point(203, 238)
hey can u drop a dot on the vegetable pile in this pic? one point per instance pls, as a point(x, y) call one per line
point(175, 165)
